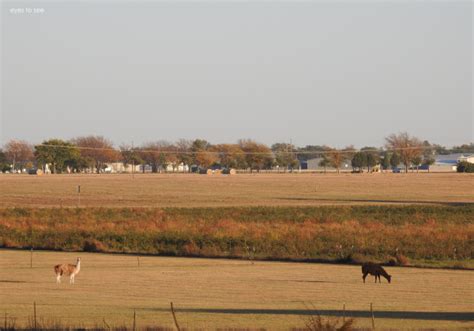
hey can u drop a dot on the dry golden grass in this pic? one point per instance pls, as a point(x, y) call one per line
point(224, 293)
point(425, 234)
point(192, 190)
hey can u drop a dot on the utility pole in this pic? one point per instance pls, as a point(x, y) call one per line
point(133, 161)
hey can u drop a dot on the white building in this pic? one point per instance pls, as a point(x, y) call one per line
point(466, 158)
point(119, 167)
point(314, 164)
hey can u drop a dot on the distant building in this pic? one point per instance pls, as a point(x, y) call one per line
point(119, 167)
point(314, 164)
point(177, 167)
point(448, 163)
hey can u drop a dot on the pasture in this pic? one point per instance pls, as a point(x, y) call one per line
point(214, 293)
point(192, 190)
point(328, 217)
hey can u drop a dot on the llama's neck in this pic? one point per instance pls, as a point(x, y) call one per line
point(78, 266)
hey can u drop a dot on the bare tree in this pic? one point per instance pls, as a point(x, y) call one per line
point(97, 148)
point(18, 153)
point(337, 157)
point(183, 149)
point(285, 155)
point(158, 154)
point(408, 148)
point(130, 156)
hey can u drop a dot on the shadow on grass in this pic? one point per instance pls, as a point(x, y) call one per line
point(11, 281)
point(414, 315)
point(300, 281)
point(419, 202)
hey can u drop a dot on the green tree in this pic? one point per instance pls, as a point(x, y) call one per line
point(130, 156)
point(416, 162)
point(465, 148)
point(429, 152)
point(394, 160)
point(79, 164)
point(385, 160)
point(358, 161)
point(440, 150)
point(429, 161)
point(285, 155)
point(324, 162)
point(371, 157)
point(4, 165)
point(200, 145)
point(464, 166)
point(57, 153)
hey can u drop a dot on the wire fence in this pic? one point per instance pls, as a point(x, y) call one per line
point(40, 316)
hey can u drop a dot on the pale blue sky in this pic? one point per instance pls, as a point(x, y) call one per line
point(333, 73)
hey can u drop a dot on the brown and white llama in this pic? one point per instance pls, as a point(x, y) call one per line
point(70, 270)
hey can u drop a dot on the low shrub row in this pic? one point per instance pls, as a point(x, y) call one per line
point(344, 234)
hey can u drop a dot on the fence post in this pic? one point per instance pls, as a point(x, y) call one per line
point(134, 320)
point(78, 196)
point(372, 314)
point(344, 313)
point(34, 314)
point(174, 317)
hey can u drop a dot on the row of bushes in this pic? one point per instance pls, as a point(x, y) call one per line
point(465, 166)
point(350, 234)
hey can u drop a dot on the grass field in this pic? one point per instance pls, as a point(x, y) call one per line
point(227, 293)
point(427, 217)
point(191, 190)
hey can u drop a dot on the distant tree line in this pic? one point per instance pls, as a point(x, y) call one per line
point(93, 153)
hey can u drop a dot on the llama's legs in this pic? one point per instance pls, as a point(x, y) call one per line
point(364, 276)
point(71, 279)
point(58, 279)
